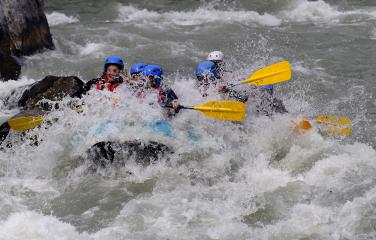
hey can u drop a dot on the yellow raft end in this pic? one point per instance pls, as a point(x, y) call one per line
point(300, 127)
point(24, 123)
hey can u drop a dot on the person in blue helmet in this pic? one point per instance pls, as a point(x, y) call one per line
point(152, 78)
point(266, 102)
point(207, 75)
point(135, 79)
point(110, 78)
point(136, 70)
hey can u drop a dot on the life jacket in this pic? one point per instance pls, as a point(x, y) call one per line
point(105, 82)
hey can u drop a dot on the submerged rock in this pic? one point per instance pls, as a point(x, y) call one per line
point(24, 28)
point(119, 153)
point(51, 88)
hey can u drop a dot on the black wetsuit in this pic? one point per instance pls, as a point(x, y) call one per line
point(268, 104)
point(236, 95)
point(165, 98)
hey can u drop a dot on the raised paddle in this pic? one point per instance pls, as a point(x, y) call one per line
point(24, 123)
point(223, 110)
point(275, 73)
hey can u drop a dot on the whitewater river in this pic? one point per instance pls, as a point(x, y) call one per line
point(255, 180)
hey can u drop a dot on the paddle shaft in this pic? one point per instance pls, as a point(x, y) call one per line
point(180, 107)
point(183, 107)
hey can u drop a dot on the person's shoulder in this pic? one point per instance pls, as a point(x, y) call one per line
point(165, 87)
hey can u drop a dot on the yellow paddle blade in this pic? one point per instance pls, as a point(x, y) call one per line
point(333, 120)
point(336, 125)
point(224, 110)
point(276, 73)
point(24, 123)
point(337, 131)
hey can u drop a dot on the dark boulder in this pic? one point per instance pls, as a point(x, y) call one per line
point(4, 130)
point(118, 153)
point(51, 88)
point(24, 28)
point(9, 67)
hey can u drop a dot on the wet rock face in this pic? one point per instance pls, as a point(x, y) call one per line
point(4, 130)
point(9, 67)
point(108, 153)
point(51, 88)
point(23, 27)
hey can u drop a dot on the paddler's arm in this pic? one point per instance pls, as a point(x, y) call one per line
point(278, 106)
point(172, 102)
point(242, 97)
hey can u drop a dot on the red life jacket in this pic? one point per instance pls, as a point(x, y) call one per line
point(104, 82)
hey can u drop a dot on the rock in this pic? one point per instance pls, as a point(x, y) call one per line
point(4, 130)
point(51, 88)
point(23, 27)
point(118, 153)
point(9, 67)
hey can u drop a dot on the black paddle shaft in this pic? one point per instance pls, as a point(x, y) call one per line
point(180, 107)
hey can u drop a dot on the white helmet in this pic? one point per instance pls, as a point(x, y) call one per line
point(215, 56)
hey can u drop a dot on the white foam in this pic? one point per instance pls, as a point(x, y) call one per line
point(8, 91)
point(320, 11)
point(56, 18)
point(373, 34)
point(202, 15)
point(91, 48)
point(351, 165)
point(32, 225)
point(307, 10)
point(9, 86)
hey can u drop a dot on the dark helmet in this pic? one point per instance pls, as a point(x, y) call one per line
point(113, 60)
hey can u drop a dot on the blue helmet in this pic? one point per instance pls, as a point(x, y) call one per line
point(155, 71)
point(113, 60)
point(268, 87)
point(137, 68)
point(206, 69)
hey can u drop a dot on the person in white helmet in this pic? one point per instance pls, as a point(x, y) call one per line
point(216, 66)
point(217, 58)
